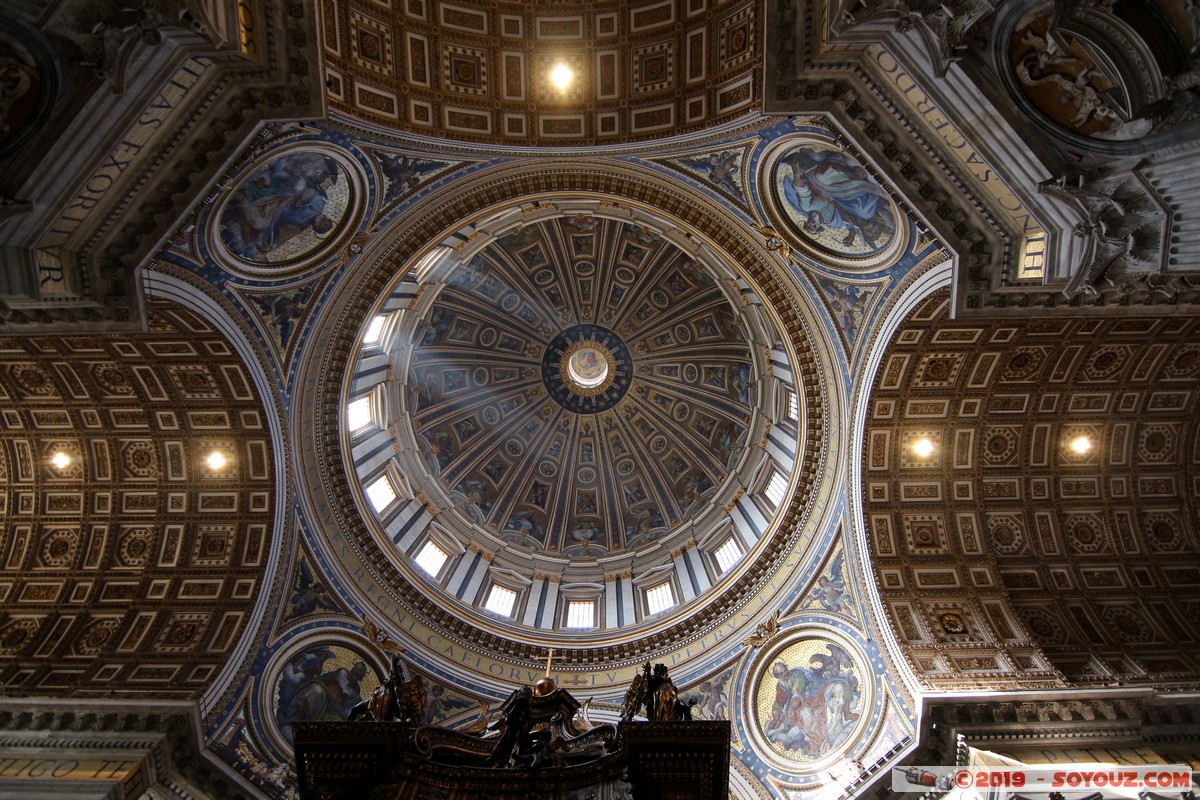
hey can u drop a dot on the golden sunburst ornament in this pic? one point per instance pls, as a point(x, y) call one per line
point(587, 368)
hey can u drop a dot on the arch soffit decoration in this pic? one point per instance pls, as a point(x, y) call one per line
point(921, 283)
point(163, 281)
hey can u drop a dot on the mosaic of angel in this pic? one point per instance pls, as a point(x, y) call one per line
point(720, 169)
point(309, 595)
point(714, 700)
point(830, 590)
point(835, 201)
point(404, 173)
point(440, 704)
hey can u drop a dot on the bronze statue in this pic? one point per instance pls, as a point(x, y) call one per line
point(654, 690)
point(394, 699)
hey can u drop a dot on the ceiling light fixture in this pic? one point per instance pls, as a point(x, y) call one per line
point(216, 459)
point(61, 460)
point(1081, 445)
point(923, 448)
point(561, 76)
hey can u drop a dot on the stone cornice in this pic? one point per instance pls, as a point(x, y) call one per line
point(156, 167)
point(814, 62)
point(166, 734)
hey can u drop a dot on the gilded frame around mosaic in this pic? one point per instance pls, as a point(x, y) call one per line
point(315, 680)
point(809, 701)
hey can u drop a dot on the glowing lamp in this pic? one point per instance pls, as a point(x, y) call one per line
point(561, 76)
point(923, 448)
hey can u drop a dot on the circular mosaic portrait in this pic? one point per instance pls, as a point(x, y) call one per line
point(811, 700)
point(288, 208)
point(320, 683)
point(831, 204)
point(1056, 71)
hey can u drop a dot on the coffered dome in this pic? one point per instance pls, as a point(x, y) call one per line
point(577, 418)
point(580, 386)
point(543, 74)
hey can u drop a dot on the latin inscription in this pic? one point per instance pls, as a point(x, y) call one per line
point(54, 280)
point(75, 769)
point(1034, 235)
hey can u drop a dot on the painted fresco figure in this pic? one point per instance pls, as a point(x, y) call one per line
point(296, 671)
point(586, 532)
point(331, 695)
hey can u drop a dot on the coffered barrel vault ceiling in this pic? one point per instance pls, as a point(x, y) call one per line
point(1005, 555)
point(135, 569)
point(479, 72)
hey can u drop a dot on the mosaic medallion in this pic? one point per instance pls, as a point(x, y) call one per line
point(831, 204)
point(320, 683)
point(1057, 73)
point(587, 369)
point(810, 701)
point(288, 209)
point(24, 92)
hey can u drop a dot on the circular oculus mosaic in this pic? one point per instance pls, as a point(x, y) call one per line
point(587, 369)
point(587, 366)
